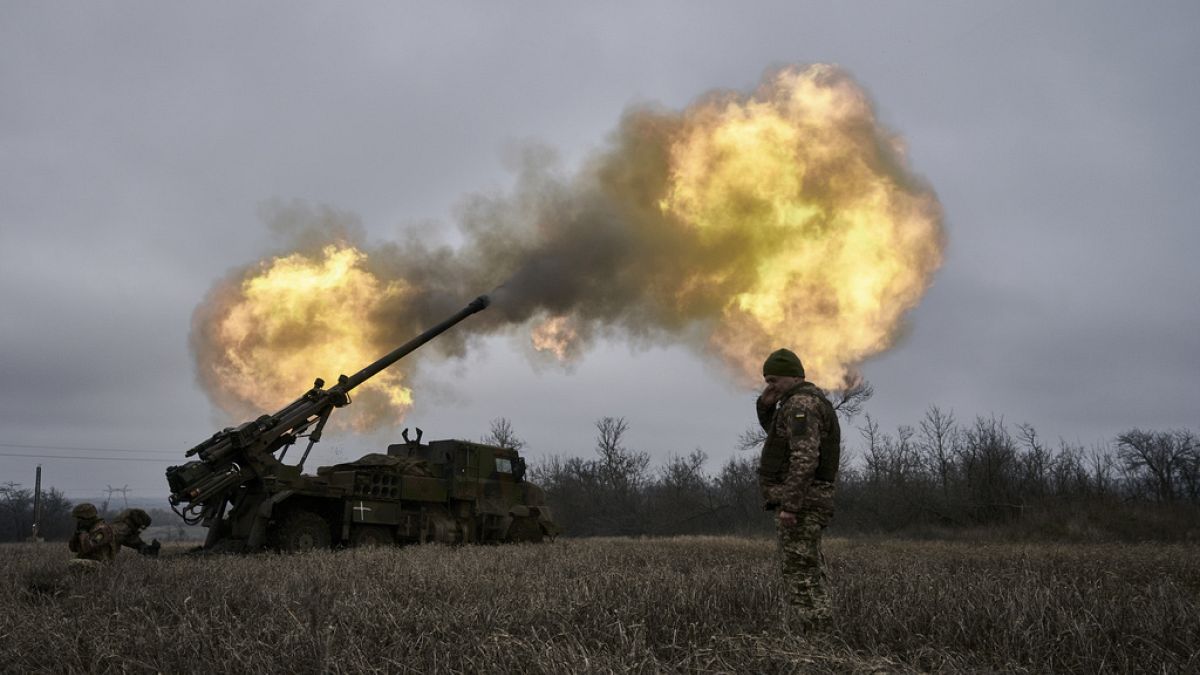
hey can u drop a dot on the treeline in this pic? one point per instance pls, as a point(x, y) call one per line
point(936, 478)
point(16, 514)
point(944, 475)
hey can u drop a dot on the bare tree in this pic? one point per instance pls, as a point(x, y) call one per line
point(849, 402)
point(16, 513)
point(870, 433)
point(681, 497)
point(501, 434)
point(752, 438)
point(988, 456)
point(684, 474)
point(737, 488)
point(620, 467)
point(1189, 468)
point(1158, 459)
point(1034, 462)
point(1101, 462)
point(937, 439)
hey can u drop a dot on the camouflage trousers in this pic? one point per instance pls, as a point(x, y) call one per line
point(806, 586)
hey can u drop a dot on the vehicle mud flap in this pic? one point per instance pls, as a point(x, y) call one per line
point(215, 522)
point(258, 531)
point(215, 535)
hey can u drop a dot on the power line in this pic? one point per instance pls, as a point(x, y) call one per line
point(80, 449)
point(88, 458)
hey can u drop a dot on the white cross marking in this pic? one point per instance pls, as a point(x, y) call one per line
point(361, 509)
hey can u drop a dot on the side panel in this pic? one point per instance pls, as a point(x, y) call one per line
point(373, 512)
point(423, 489)
point(465, 484)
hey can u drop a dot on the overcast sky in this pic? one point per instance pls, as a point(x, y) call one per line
point(140, 141)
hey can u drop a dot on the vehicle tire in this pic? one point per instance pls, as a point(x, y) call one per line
point(525, 528)
point(365, 536)
point(301, 531)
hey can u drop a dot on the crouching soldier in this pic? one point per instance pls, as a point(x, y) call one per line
point(93, 539)
point(127, 528)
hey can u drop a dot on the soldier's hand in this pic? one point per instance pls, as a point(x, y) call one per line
point(776, 387)
point(787, 518)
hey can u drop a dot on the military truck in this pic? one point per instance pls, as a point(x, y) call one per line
point(240, 488)
point(448, 491)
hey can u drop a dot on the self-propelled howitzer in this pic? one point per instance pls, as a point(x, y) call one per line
point(239, 480)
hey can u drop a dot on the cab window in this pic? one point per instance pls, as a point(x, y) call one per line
point(503, 465)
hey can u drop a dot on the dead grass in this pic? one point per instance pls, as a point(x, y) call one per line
point(703, 604)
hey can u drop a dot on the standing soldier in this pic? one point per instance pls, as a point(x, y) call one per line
point(93, 538)
point(127, 527)
point(796, 473)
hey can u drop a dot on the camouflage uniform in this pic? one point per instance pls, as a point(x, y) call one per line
point(796, 473)
point(126, 528)
point(93, 538)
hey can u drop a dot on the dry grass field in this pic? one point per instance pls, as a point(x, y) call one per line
point(702, 604)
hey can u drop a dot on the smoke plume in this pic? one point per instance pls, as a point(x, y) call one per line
point(746, 222)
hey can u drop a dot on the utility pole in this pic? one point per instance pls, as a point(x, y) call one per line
point(110, 490)
point(37, 506)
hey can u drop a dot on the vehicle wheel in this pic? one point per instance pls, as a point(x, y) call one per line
point(525, 529)
point(363, 536)
point(301, 531)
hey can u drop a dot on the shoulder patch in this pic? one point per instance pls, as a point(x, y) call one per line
point(798, 423)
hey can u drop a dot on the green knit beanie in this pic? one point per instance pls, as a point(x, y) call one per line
point(783, 362)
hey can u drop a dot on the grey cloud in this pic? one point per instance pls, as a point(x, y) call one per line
point(137, 142)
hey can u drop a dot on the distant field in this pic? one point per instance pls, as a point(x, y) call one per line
point(604, 605)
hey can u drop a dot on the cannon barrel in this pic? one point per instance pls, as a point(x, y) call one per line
point(476, 305)
point(235, 455)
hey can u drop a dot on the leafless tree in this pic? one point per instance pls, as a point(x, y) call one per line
point(16, 513)
point(682, 497)
point(1160, 459)
point(1189, 470)
point(620, 467)
point(752, 438)
point(684, 473)
point(870, 433)
point(849, 402)
point(1034, 462)
point(1101, 469)
point(501, 434)
point(938, 432)
point(988, 457)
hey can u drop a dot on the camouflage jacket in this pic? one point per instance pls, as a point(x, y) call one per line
point(125, 534)
point(94, 542)
point(800, 456)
